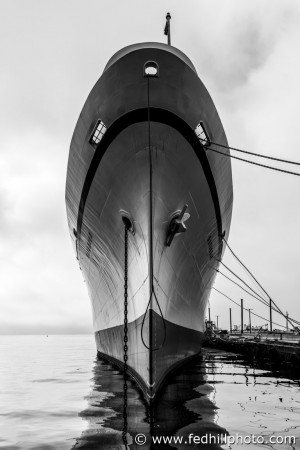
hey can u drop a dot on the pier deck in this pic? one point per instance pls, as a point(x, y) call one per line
point(279, 348)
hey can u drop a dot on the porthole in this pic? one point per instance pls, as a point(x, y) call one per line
point(98, 133)
point(151, 69)
point(202, 134)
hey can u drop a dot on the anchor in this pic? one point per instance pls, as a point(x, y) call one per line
point(177, 225)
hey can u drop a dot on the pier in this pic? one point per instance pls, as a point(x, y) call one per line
point(280, 348)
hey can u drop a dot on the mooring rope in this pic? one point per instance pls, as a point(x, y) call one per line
point(250, 153)
point(277, 309)
point(253, 162)
point(164, 323)
point(252, 313)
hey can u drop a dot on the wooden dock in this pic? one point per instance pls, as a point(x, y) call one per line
point(277, 349)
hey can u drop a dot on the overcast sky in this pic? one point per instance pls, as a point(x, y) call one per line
point(52, 53)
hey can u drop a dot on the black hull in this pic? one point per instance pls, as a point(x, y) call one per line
point(172, 354)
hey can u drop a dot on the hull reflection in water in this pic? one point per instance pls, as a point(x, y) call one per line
point(181, 409)
point(215, 394)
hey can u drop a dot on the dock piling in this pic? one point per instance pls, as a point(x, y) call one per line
point(242, 316)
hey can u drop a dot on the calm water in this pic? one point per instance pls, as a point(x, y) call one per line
point(54, 394)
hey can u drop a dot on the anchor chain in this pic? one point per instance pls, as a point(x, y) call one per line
point(125, 347)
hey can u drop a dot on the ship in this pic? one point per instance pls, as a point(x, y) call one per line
point(148, 207)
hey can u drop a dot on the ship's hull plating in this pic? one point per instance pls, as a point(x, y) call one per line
point(184, 348)
point(149, 164)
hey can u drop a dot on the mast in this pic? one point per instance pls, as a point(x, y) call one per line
point(167, 30)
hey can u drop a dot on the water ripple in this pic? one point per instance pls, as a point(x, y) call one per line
point(56, 395)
